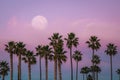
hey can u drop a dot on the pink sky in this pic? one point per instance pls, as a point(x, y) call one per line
point(83, 17)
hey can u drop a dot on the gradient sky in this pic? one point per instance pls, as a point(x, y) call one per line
point(83, 17)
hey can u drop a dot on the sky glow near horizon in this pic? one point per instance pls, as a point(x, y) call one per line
point(83, 17)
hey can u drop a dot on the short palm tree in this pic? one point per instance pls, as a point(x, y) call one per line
point(77, 57)
point(118, 72)
point(111, 51)
point(30, 59)
point(10, 48)
point(85, 70)
point(72, 40)
point(96, 69)
point(46, 51)
point(40, 54)
point(55, 40)
point(19, 50)
point(4, 68)
point(89, 77)
point(96, 60)
point(94, 44)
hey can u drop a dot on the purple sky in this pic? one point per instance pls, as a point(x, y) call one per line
point(83, 17)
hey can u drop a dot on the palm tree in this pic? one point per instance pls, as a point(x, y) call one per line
point(111, 51)
point(55, 42)
point(10, 48)
point(40, 54)
point(46, 51)
point(4, 68)
point(96, 69)
point(118, 72)
point(96, 61)
point(77, 57)
point(61, 58)
point(89, 77)
point(94, 44)
point(30, 59)
point(85, 70)
point(72, 40)
point(19, 50)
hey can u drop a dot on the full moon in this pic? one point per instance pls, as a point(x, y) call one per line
point(39, 22)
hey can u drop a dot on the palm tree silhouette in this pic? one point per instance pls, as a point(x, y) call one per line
point(40, 54)
point(61, 58)
point(46, 51)
point(19, 50)
point(94, 44)
point(77, 57)
point(96, 69)
point(10, 48)
point(89, 77)
point(4, 68)
point(85, 70)
point(96, 61)
point(55, 42)
point(118, 72)
point(72, 40)
point(30, 59)
point(111, 51)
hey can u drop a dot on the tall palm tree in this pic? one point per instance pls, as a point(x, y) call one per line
point(77, 57)
point(30, 59)
point(94, 44)
point(40, 54)
point(4, 68)
point(61, 58)
point(111, 51)
point(72, 40)
point(118, 72)
point(46, 51)
point(55, 40)
point(10, 48)
point(19, 50)
point(85, 70)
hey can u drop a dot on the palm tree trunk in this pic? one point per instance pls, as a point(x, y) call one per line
point(3, 77)
point(59, 70)
point(97, 75)
point(11, 66)
point(77, 70)
point(111, 68)
point(119, 76)
point(93, 74)
point(71, 63)
point(55, 69)
point(46, 65)
point(29, 71)
point(19, 67)
point(83, 77)
point(40, 67)
point(86, 76)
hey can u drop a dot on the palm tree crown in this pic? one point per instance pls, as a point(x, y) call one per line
point(111, 49)
point(72, 40)
point(118, 71)
point(4, 68)
point(77, 56)
point(94, 43)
